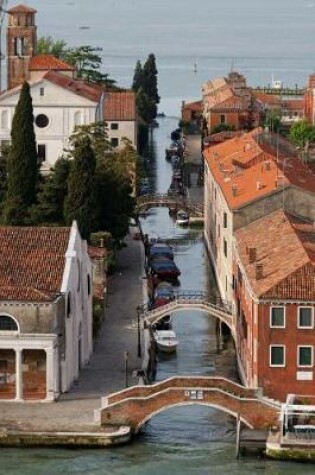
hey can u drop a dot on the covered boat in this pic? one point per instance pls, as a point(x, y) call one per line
point(166, 340)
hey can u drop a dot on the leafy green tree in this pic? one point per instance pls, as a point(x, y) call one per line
point(302, 133)
point(46, 45)
point(52, 194)
point(222, 128)
point(272, 120)
point(22, 166)
point(137, 77)
point(81, 201)
point(96, 133)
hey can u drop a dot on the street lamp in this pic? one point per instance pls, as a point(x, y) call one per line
point(139, 333)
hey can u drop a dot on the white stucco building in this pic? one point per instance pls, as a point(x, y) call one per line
point(60, 100)
point(45, 311)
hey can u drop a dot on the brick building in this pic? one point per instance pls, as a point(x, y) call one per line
point(309, 102)
point(274, 286)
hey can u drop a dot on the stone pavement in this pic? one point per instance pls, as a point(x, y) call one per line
point(193, 154)
point(106, 371)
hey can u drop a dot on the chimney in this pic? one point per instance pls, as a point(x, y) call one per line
point(252, 251)
point(102, 242)
point(234, 190)
point(258, 185)
point(259, 271)
point(268, 165)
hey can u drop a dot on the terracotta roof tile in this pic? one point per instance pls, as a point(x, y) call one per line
point(22, 9)
point(89, 90)
point(286, 254)
point(32, 262)
point(43, 62)
point(120, 105)
point(246, 169)
point(196, 106)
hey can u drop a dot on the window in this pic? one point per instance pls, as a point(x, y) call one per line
point(41, 121)
point(114, 126)
point(8, 324)
point(69, 305)
point(41, 153)
point(305, 317)
point(277, 355)
point(225, 220)
point(19, 46)
point(305, 356)
point(42, 91)
point(114, 142)
point(222, 119)
point(89, 284)
point(225, 247)
point(277, 317)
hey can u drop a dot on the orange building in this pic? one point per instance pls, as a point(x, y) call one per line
point(228, 101)
point(309, 103)
point(274, 286)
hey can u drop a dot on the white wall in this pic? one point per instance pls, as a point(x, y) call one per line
point(126, 129)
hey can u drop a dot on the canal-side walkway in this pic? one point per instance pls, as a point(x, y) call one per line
point(106, 371)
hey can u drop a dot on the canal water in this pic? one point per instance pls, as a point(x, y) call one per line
point(186, 440)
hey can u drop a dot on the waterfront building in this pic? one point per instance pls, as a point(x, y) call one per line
point(247, 178)
point(61, 101)
point(45, 311)
point(228, 101)
point(274, 286)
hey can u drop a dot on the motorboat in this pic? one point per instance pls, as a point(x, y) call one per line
point(160, 249)
point(166, 340)
point(164, 269)
point(163, 294)
point(182, 218)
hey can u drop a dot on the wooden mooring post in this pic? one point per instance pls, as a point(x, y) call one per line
point(238, 433)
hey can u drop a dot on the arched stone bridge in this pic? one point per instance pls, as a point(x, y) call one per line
point(191, 299)
point(134, 406)
point(179, 202)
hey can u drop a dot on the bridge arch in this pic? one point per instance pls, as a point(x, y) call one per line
point(180, 202)
point(192, 403)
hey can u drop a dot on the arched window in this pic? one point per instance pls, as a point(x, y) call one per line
point(4, 120)
point(77, 118)
point(8, 324)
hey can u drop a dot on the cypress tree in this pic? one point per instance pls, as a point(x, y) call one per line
point(137, 77)
point(22, 166)
point(149, 82)
point(80, 203)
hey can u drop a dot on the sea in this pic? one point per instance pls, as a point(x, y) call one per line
point(193, 41)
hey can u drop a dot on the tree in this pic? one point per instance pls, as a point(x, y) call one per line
point(52, 195)
point(146, 107)
point(96, 133)
point(137, 77)
point(149, 79)
point(302, 133)
point(46, 45)
point(84, 58)
point(81, 202)
point(272, 120)
point(22, 166)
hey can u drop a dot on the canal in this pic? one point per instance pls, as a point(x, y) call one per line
point(186, 440)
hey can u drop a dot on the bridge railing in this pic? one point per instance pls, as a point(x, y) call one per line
point(170, 200)
point(184, 382)
point(188, 297)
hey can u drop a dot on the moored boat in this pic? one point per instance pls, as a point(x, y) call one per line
point(166, 340)
point(182, 218)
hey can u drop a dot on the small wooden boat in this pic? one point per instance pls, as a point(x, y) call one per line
point(166, 340)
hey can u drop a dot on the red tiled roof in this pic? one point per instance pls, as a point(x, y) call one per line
point(196, 106)
point(286, 253)
point(21, 9)
point(43, 62)
point(32, 262)
point(120, 105)
point(85, 89)
point(247, 170)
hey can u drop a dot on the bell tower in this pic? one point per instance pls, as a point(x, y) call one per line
point(21, 44)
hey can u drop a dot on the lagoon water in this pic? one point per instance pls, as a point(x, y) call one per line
point(264, 40)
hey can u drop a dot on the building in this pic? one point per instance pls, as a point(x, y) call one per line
point(45, 311)
point(60, 100)
point(309, 102)
point(247, 178)
point(228, 101)
point(274, 286)
point(120, 115)
point(290, 110)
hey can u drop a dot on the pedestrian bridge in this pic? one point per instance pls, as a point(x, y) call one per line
point(134, 406)
point(191, 300)
point(170, 201)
